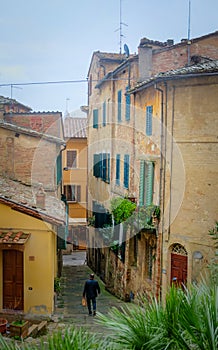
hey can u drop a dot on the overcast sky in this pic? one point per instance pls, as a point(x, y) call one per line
point(53, 40)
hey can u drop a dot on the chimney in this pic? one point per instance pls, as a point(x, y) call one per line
point(170, 42)
point(145, 61)
point(40, 197)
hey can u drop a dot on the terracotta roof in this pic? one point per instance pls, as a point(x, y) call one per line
point(9, 101)
point(201, 68)
point(14, 237)
point(21, 197)
point(75, 127)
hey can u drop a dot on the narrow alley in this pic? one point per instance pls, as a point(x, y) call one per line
point(69, 309)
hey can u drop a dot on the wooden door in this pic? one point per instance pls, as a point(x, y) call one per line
point(178, 269)
point(12, 280)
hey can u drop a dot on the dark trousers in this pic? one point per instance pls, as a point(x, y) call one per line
point(91, 303)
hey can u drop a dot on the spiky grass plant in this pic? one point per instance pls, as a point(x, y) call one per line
point(187, 320)
point(71, 339)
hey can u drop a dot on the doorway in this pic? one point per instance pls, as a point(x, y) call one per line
point(179, 265)
point(13, 280)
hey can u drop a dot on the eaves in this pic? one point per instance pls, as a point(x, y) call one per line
point(29, 132)
point(30, 211)
point(155, 80)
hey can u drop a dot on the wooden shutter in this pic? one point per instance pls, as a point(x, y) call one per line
point(126, 171)
point(95, 165)
point(118, 169)
point(149, 183)
point(78, 193)
point(142, 183)
point(59, 168)
point(119, 105)
point(104, 114)
point(104, 166)
point(72, 159)
point(149, 114)
point(95, 118)
point(108, 167)
point(127, 105)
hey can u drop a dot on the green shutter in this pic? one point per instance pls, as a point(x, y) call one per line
point(104, 114)
point(149, 115)
point(149, 180)
point(119, 99)
point(126, 171)
point(142, 183)
point(127, 105)
point(95, 118)
point(108, 168)
point(59, 169)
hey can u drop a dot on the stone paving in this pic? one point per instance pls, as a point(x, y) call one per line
point(69, 308)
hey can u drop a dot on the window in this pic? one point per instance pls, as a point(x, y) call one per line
point(149, 115)
point(73, 193)
point(119, 101)
point(126, 171)
point(101, 166)
point(95, 118)
point(118, 169)
point(127, 116)
point(72, 159)
point(104, 114)
point(146, 183)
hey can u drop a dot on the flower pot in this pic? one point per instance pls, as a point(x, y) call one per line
point(3, 325)
point(19, 330)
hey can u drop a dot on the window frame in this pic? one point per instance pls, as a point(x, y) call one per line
point(73, 193)
point(74, 164)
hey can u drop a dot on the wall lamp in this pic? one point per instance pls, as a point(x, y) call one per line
point(197, 256)
point(65, 168)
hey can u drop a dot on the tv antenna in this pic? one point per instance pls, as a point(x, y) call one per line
point(189, 29)
point(121, 27)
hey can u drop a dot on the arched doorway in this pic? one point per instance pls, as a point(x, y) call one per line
point(179, 265)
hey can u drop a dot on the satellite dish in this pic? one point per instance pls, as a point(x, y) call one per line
point(126, 50)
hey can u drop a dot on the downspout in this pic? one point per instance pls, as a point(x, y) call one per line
point(171, 161)
point(161, 186)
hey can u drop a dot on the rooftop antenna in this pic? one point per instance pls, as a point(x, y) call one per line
point(189, 29)
point(121, 27)
point(67, 113)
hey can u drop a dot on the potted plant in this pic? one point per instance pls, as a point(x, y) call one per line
point(19, 328)
point(3, 325)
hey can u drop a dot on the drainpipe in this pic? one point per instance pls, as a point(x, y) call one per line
point(162, 184)
point(171, 159)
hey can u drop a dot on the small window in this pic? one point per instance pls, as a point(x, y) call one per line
point(72, 159)
point(73, 193)
point(95, 118)
point(149, 116)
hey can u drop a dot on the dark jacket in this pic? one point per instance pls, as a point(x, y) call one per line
point(91, 289)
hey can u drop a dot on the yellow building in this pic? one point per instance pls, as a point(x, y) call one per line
point(75, 179)
point(32, 220)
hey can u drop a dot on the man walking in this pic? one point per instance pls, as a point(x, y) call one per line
point(91, 291)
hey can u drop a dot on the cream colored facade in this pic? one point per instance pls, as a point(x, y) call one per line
point(170, 130)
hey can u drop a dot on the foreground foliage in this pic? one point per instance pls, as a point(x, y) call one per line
point(187, 321)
